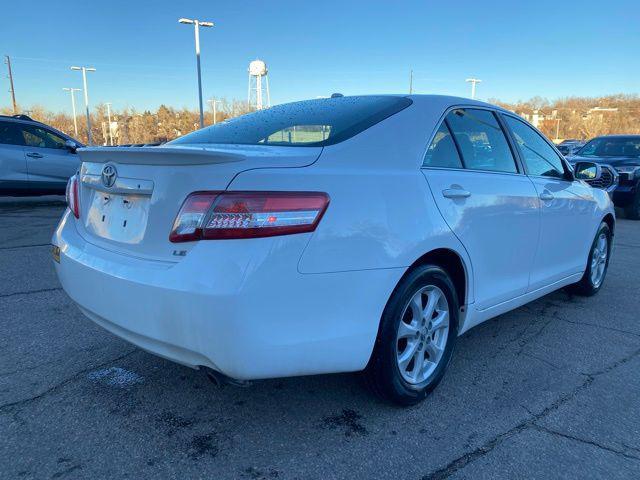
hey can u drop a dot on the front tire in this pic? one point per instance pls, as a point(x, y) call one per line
point(597, 264)
point(416, 338)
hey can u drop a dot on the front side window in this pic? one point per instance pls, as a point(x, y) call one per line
point(481, 140)
point(442, 152)
point(539, 157)
point(311, 123)
point(42, 138)
point(10, 134)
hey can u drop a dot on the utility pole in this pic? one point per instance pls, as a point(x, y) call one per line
point(73, 106)
point(213, 103)
point(108, 104)
point(13, 92)
point(411, 82)
point(86, 98)
point(473, 82)
point(196, 28)
point(557, 128)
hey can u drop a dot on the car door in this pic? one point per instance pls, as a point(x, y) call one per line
point(489, 204)
point(13, 163)
point(567, 207)
point(49, 162)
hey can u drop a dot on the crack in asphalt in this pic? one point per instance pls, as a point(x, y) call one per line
point(63, 383)
point(585, 441)
point(597, 325)
point(27, 246)
point(469, 457)
point(30, 292)
point(557, 316)
point(540, 359)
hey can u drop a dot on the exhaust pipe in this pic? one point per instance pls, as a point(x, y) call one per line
point(220, 379)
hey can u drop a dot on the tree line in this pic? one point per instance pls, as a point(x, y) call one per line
point(581, 117)
point(131, 126)
point(571, 117)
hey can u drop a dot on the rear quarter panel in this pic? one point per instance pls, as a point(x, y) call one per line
point(381, 213)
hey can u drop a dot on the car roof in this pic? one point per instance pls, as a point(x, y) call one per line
point(426, 99)
point(450, 101)
point(24, 119)
point(19, 118)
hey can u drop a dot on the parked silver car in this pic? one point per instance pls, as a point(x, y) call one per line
point(35, 159)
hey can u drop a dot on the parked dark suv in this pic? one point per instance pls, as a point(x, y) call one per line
point(35, 159)
point(622, 152)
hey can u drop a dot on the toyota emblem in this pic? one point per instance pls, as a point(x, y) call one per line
point(109, 175)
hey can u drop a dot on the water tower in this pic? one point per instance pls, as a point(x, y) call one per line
point(257, 73)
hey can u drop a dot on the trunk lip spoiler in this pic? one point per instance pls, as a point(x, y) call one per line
point(158, 155)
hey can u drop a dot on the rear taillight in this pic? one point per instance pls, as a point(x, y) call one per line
point(73, 200)
point(228, 215)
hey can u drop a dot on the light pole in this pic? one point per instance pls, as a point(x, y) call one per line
point(108, 104)
point(473, 82)
point(73, 106)
point(196, 28)
point(213, 103)
point(86, 97)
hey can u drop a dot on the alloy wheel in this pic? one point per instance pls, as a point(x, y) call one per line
point(599, 259)
point(422, 334)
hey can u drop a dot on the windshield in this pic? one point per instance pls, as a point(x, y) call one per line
point(313, 123)
point(611, 147)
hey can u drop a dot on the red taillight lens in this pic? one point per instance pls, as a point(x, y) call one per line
point(73, 200)
point(227, 215)
point(188, 224)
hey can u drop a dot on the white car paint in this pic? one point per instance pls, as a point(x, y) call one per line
point(311, 303)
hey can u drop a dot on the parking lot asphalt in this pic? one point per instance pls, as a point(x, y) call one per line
point(551, 390)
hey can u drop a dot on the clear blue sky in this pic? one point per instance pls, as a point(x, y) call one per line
point(145, 58)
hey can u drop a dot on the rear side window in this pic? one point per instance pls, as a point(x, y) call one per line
point(539, 158)
point(39, 137)
point(442, 152)
point(314, 123)
point(10, 134)
point(481, 140)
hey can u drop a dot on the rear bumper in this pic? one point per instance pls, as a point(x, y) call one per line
point(247, 313)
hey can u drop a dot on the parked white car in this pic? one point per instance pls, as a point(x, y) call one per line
point(331, 235)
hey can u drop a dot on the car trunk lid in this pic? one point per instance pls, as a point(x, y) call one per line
point(129, 197)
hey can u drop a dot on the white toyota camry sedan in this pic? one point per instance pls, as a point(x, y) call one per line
point(330, 235)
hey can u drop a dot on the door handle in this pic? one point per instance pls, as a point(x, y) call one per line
point(34, 155)
point(546, 196)
point(455, 193)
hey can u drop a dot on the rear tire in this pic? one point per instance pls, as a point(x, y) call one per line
point(417, 334)
point(597, 265)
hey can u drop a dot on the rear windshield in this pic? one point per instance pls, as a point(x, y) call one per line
point(313, 123)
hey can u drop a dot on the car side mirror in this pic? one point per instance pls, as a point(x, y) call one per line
point(587, 171)
point(71, 146)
